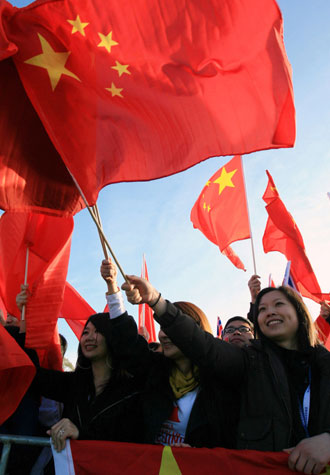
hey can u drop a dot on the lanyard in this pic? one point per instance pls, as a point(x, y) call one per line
point(304, 409)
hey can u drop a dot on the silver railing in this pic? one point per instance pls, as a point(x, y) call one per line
point(8, 440)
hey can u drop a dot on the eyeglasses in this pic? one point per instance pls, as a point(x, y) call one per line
point(241, 329)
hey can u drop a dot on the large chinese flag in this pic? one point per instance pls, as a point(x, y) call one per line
point(137, 90)
point(16, 374)
point(220, 211)
point(146, 318)
point(282, 235)
point(86, 457)
point(48, 239)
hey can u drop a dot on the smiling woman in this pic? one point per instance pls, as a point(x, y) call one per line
point(101, 401)
point(282, 377)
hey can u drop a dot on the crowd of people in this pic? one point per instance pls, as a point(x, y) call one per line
point(264, 385)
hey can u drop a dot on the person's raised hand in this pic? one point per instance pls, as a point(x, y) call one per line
point(23, 297)
point(139, 290)
point(109, 273)
point(254, 286)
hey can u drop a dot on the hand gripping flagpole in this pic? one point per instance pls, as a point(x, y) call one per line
point(248, 213)
point(25, 279)
point(99, 228)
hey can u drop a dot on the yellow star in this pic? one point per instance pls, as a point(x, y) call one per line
point(208, 208)
point(106, 41)
point(208, 183)
point(115, 91)
point(168, 464)
point(52, 61)
point(224, 179)
point(78, 25)
point(121, 68)
point(204, 205)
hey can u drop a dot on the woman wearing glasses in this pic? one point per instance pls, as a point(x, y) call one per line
point(283, 376)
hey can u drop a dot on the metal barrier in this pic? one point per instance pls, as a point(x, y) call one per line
point(7, 440)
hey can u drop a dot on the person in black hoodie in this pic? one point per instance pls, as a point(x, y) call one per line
point(283, 376)
point(182, 403)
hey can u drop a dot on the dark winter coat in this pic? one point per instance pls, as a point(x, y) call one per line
point(212, 419)
point(114, 414)
point(258, 373)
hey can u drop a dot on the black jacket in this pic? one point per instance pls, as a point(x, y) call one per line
point(212, 419)
point(257, 372)
point(114, 414)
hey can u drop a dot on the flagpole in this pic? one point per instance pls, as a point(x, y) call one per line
point(100, 230)
point(25, 279)
point(98, 217)
point(248, 213)
point(143, 316)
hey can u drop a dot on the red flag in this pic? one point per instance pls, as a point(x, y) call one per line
point(219, 328)
point(323, 331)
point(146, 318)
point(49, 240)
point(86, 457)
point(16, 374)
point(146, 91)
point(75, 310)
point(220, 211)
point(282, 235)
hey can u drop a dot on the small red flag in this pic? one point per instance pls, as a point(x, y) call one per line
point(16, 374)
point(220, 211)
point(323, 331)
point(49, 240)
point(75, 310)
point(145, 312)
point(146, 91)
point(282, 235)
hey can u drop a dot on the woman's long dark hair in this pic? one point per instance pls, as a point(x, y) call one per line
point(306, 334)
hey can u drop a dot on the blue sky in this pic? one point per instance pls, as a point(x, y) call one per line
point(154, 217)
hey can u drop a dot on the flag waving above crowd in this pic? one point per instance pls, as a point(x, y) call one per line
point(221, 212)
point(146, 91)
point(282, 235)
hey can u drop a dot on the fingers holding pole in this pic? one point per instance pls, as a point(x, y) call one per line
point(25, 279)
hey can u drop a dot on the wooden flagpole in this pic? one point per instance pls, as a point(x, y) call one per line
point(98, 217)
point(99, 228)
point(248, 212)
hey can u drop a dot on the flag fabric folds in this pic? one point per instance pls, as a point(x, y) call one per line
point(16, 374)
point(282, 235)
point(75, 310)
point(137, 93)
point(323, 331)
point(220, 211)
point(90, 457)
point(48, 239)
point(146, 318)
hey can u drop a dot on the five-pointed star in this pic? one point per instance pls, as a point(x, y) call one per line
point(78, 25)
point(52, 61)
point(107, 42)
point(115, 91)
point(224, 179)
point(208, 183)
point(121, 68)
